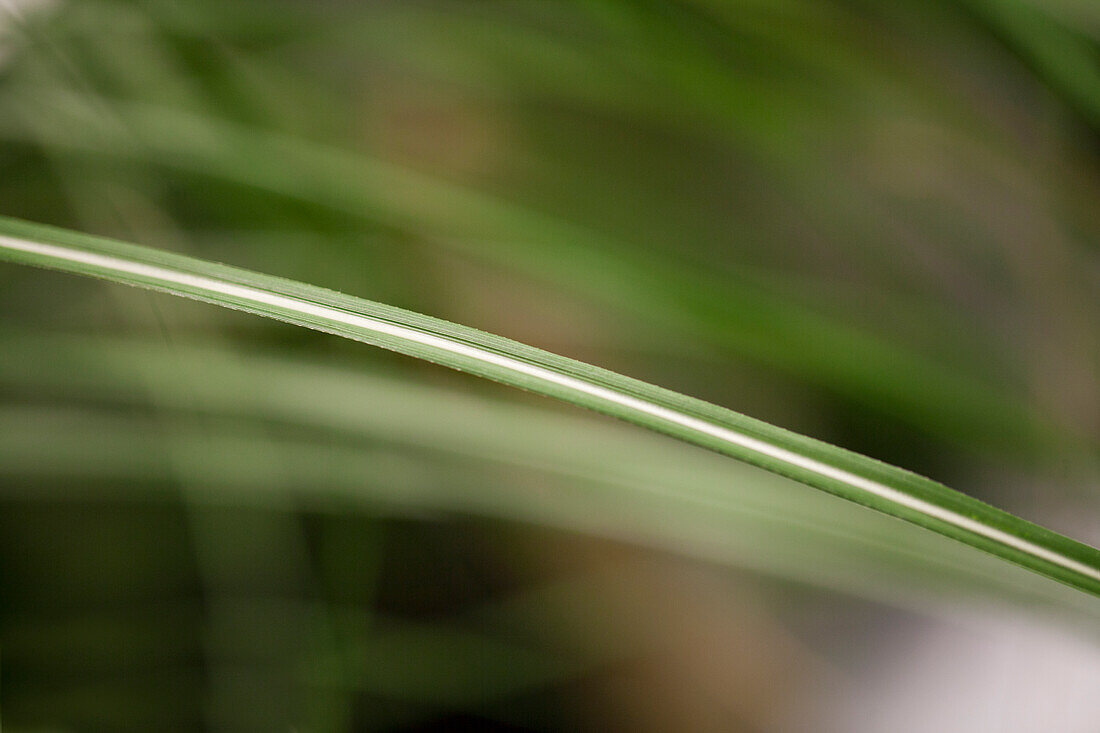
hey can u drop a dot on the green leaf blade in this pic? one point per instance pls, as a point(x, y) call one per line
point(857, 478)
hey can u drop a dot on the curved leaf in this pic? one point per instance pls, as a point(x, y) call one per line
point(749, 317)
point(860, 479)
point(430, 448)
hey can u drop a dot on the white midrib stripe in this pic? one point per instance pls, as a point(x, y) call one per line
point(259, 296)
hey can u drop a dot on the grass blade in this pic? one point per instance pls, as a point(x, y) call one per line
point(429, 448)
point(851, 476)
point(749, 318)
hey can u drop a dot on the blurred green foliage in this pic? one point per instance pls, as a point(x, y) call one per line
point(871, 222)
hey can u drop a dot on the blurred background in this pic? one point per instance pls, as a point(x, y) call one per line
point(874, 222)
